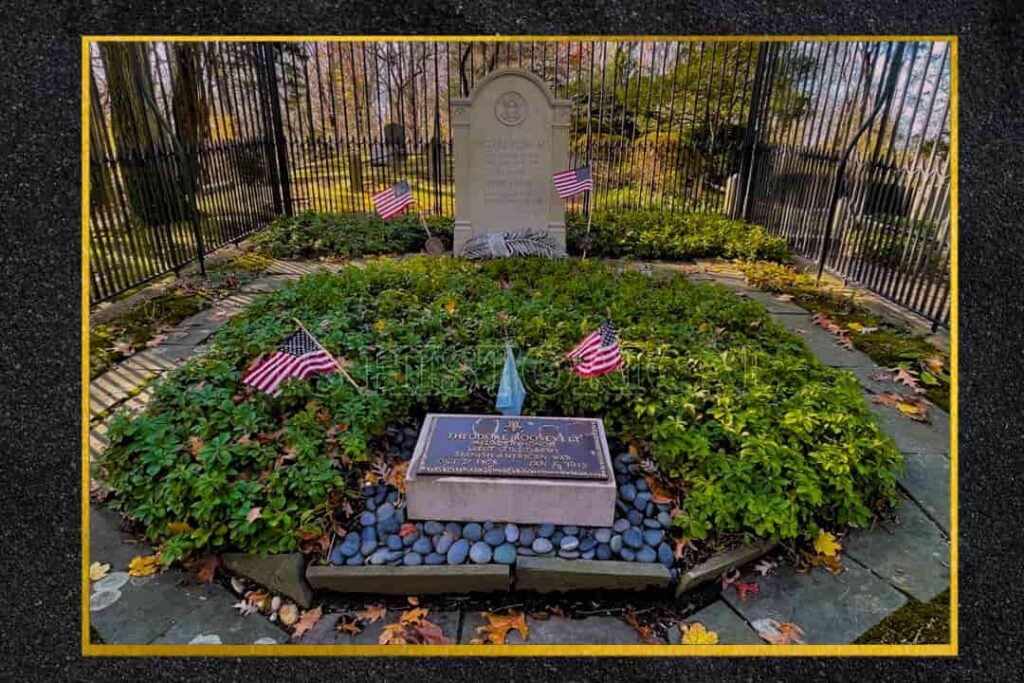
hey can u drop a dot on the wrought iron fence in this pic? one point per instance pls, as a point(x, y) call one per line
point(196, 145)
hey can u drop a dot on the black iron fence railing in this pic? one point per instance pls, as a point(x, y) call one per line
point(196, 145)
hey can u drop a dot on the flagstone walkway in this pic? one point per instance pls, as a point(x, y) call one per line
point(908, 554)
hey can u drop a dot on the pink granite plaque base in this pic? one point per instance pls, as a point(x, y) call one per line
point(533, 500)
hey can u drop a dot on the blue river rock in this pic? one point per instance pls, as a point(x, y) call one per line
point(458, 552)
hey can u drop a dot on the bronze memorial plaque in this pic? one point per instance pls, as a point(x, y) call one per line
point(495, 445)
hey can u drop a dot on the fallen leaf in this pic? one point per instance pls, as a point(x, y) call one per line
point(259, 599)
point(845, 342)
point(195, 444)
point(244, 608)
point(935, 364)
point(157, 340)
point(697, 634)
point(784, 297)
point(904, 377)
point(179, 528)
point(393, 634)
point(396, 476)
point(288, 614)
point(681, 545)
point(914, 407)
point(143, 565)
point(776, 633)
point(426, 633)
point(660, 495)
point(449, 306)
point(380, 325)
point(826, 544)
point(867, 330)
point(254, 514)
point(881, 376)
point(413, 616)
point(372, 613)
point(646, 632)
point(124, 348)
point(407, 528)
point(206, 568)
point(307, 621)
point(97, 571)
point(348, 625)
point(498, 625)
point(765, 567)
point(413, 600)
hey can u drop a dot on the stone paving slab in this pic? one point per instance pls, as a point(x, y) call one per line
point(864, 375)
point(325, 632)
point(265, 284)
point(149, 606)
point(909, 551)
point(774, 304)
point(911, 436)
point(217, 617)
point(114, 387)
point(723, 620)
point(560, 631)
point(823, 345)
point(297, 269)
point(107, 543)
point(927, 481)
point(830, 609)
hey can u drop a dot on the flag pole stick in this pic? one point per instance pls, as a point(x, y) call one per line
point(590, 214)
point(336, 363)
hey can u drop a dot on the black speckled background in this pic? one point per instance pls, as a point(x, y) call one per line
point(39, 259)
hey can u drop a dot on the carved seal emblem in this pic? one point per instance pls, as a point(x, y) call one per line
point(510, 108)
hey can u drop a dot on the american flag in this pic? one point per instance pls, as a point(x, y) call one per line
point(598, 353)
point(393, 200)
point(300, 356)
point(573, 181)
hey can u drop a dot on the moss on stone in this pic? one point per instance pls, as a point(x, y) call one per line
point(916, 623)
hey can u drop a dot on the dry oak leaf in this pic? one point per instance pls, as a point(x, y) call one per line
point(414, 616)
point(697, 634)
point(307, 621)
point(660, 495)
point(157, 340)
point(784, 297)
point(393, 634)
point(786, 633)
point(426, 633)
point(498, 626)
point(98, 570)
point(681, 545)
point(143, 565)
point(646, 632)
point(765, 567)
point(408, 528)
point(254, 514)
point(907, 379)
point(348, 625)
point(244, 608)
point(206, 568)
point(372, 613)
point(195, 444)
point(826, 544)
point(124, 348)
point(413, 600)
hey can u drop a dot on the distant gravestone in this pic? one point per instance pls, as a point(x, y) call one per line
point(510, 136)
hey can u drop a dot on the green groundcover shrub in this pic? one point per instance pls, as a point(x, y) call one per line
point(648, 234)
point(310, 234)
point(655, 234)
point(762, 438)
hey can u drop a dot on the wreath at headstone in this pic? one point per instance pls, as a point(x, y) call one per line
point(526, 242)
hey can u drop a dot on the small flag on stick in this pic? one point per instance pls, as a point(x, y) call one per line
point(300, 356)
point(511, 392)
point(392, 201)
point(573, 181)
point(598, 353)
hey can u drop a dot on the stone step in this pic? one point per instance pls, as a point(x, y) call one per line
point(385, 580)
point(551, 574)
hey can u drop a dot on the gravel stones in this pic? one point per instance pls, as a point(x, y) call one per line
point(569, 543)
point(480, 552)
point(633, 538)
point(494, 537)
point(542, 545)
point(505, 554)
point(458, 552)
